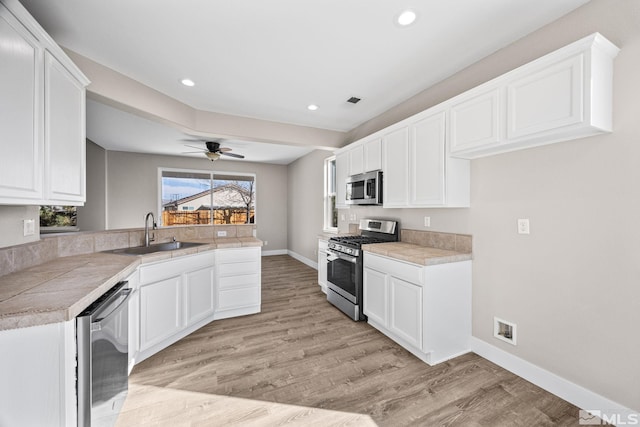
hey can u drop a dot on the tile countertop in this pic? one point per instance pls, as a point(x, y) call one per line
point(59, 290)
point(416, 254)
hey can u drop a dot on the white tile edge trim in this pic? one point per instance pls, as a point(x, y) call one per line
point(303, 260)
point(573, 393)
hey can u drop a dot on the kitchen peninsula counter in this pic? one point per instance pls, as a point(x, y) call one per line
point(60, 289)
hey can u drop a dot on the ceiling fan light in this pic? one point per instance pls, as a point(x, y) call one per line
point(212, 156)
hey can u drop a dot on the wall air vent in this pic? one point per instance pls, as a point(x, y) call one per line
point(353, 100)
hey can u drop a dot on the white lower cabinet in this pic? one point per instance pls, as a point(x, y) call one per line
point(426, 309)
point(180, 295)
point(322, 264)
point(238, 275)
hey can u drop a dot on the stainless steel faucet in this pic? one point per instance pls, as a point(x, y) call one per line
point(148, 240)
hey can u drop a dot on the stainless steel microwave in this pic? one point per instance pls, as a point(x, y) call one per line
point(365, 188)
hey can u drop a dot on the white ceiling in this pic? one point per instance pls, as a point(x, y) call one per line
point(270, 59)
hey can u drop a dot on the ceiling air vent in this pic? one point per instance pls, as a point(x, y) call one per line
point(353, 100)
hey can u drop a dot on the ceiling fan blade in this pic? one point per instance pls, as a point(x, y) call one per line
point(193, 152)
point(225, 149)
point(238, 156)
point(196, 148)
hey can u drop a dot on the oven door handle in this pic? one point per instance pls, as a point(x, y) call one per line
point(332, 256)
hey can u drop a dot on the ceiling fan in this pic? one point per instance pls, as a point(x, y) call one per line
point(213, 151)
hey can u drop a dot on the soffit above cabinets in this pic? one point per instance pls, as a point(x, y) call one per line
point(270, 60)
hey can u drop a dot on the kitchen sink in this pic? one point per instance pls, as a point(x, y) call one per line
point(160, 247)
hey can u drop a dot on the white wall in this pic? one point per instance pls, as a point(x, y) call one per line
point(306, 203)
point(572, 286)
point(132, 191)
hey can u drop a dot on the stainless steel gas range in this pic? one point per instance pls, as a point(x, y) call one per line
point(344, 264)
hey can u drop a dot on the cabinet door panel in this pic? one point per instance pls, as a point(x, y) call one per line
point(427, 156)
point(375, 296)
point(406, 310)
point(239, 281)
point(342, 172)
point(64, 134)
point(238, 298)
point(356, 160)
point(240, 268)
point(159, 311)
point(547, 99)
point(199, 294)
point(373, 155)
point(21, 141)
point(475, 122)
point(396, 173)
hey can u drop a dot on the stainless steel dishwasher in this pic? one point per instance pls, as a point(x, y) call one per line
point(103, 351)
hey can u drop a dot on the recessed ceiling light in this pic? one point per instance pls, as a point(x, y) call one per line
point(312, 107)
point(406, 18)
point(187, 82)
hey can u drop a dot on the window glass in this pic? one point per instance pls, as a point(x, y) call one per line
point(330, 211)
point(194, 197)
point(58, 219)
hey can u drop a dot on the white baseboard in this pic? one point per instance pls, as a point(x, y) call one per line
point(303, 260)
point(275, 252)
point(573, 393)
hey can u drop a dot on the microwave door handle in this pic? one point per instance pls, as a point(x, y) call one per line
point(367, 185)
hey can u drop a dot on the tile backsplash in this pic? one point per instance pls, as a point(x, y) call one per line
point(448, 241)
point(52, 246)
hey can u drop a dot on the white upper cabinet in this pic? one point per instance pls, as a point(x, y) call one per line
point(64, 134)
point(564, 95)
point(21, 143)
point(395, 179)
point(356, 160)
point(475, 121)
point(418, 173)
point(342, 172)
point(42, 116)
point(372, 150)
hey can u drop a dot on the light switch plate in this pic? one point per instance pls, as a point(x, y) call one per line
point(222, 233)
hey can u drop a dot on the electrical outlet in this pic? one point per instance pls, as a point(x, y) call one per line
point(523, 226)
point(427, 221)
point(342, 217)
point(266, 242)
point(353, 217)
point(222, 233)
point(29, 227)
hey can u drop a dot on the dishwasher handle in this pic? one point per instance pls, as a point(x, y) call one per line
point(119, 299)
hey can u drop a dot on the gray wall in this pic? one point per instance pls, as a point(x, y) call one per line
point(306, 203)
point(92, 216)
point(572, 285)
point(132, 191)
point(11, 227)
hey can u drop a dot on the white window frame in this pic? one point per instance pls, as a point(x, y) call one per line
point(329, 182)
point(212, 174)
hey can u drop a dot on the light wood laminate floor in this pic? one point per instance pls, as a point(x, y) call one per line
point(302, 362)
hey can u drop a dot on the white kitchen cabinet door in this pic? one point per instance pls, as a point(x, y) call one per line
point(342, 172)
point(356, 160)
point(375, 296)
point(373, 155)
point(199, 294)
point(21, 141)
point(395, 146)
point(475, 122)
point(546, 99)
point(160, 311)
point(405, 301)
point(427, 161)
point(64, 135)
